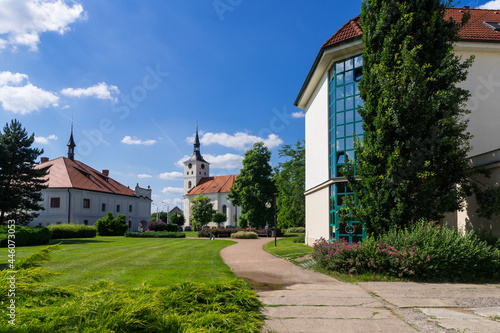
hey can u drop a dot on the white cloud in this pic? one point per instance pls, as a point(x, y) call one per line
point(171, 175)
point(240, 140)
point(22, 97)
point(227, 161)
point(173, 202)
point(22, 21)
point(143, 175)
point(100, 91)
point(45, 140)
point(134, 141)
point(172, 190)
point(495, 4)
point(298, 114)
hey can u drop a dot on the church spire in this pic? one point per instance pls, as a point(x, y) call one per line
point(196, 142)
point(71, 145)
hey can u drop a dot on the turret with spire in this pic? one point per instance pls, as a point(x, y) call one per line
point(196, 149)
point(71, 146)
point(195, 168)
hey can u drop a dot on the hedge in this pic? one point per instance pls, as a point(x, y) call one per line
point(25, 236)
point(72, 231)
point(244, 235)
point(155, 234)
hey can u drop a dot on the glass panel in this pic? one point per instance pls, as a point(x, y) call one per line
point(340, 145)
point(357, 239)
point(358, 228)
point(349, 143)
point(357, 116)
point(349, 117)
point(359, 128)
point(340, 79)
point(359, 101)
point(340, 92)
point(340, 159)
point(340, 118)
point(349, 129)
point(340, 105)
point(358, 61)
point(340, 187)
point(349, 77)
point(349, 64)
point(340, 200)
point(349, 90)
point(349, 103)
point(339, 67)
point(356, 88)
point(340, 131)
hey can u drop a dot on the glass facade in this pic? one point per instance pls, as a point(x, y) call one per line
point(345, 125)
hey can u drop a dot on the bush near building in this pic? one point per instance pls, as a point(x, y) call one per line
point(420, 253)
point(109, 226)
point(60, 231)
point(155, 234)
point(25, 236)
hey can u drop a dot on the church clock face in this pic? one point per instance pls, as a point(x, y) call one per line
point(190, 165)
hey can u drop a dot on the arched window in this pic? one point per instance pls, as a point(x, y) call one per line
point(224, 209)
point(189, 184)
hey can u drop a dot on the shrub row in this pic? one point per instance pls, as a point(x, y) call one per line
point(72, 231)
point(25, 236)
point(217, 232)
point(296, 230)
point(155, 234)
point(161, 226)
point(244, 235)
point(422, 252)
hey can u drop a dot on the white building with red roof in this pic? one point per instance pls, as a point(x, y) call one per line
point(197, 181)
point(329, 139)
point(79, 194)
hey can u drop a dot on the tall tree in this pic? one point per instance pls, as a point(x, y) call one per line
point(202, 211)
point(161, 216)
point(177, 219)
point(290, 183)
point(20, 183)
point(412, 162)
point(254, 187)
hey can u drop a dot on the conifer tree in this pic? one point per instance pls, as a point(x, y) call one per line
point(20, 183)
point(412, 162)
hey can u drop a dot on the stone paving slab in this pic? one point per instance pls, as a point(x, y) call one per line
point(338, 325)
point(488, 312)
point(471, 325)
point(440, 313)
point(327, 312)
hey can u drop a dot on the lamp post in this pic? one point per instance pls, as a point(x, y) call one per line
point(269, 205)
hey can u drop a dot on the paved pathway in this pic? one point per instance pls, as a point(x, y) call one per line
point(300, 300)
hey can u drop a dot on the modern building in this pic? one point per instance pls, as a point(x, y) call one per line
point(330, 97)
point(197, 181)
point(79, 194)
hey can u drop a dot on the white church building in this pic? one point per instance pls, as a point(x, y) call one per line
point(330, 98)
point(197, 181)
point(79, 194)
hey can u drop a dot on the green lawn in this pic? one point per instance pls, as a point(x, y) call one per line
point(287, 249)
point(133, 261)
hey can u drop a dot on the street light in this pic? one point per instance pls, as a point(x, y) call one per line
point(269, 205)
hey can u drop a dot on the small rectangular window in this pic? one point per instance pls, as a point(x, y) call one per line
point(117, 208)
point(103, 207)
point(86, 203)
point(86, 222)
point(55, 202)
point(130, 208)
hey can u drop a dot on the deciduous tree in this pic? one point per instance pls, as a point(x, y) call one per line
point(201, 211)
point(412, 162)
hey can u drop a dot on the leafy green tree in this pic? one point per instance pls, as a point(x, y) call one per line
point(163, 216)
point(219, 218)
point(412, 162)
point(20, 183)
point(110, 226)
point(290, 177)
point(177, 219)
point(254, 187)
point(202, 211)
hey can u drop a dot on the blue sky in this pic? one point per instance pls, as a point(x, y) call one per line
point(137, 76)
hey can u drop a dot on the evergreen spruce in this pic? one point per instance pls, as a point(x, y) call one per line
point(20, 183)
point(412, 162)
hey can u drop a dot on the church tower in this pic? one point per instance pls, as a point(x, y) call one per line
point(195, 168)
point(71, 146)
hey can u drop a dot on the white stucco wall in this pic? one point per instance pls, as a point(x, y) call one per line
point(316, 142)
point(317, 215)
point(218, 200)
point(483, 82)
point(141, 207)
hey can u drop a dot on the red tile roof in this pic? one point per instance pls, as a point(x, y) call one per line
point(65, 173)
point(218, 184)
point(474, 30)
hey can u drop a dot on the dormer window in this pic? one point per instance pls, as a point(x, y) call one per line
point(493, 25)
